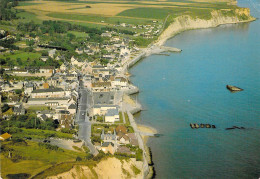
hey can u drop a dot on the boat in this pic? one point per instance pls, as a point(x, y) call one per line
point(233, 88)
point(196, 126)
point(208, 126)
point(192, 126)
point(202, 125)
point(213, 126)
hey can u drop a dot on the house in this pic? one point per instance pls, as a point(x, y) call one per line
point(112, 115)
point(108, 137)
point(106, 34)
point(72, 108)
point(44, 58)
point(124, 150)
point(123, 138)
point(63, 67)
point(108, 147)
point(52, 53)
point(47, 69)
point(133, 139)
point(5, 136)
point(48, 93)
point(52, 102)
point(102, 109)
point(119, 82)
point(28, 88)
point(19, 109)
point(101, 86)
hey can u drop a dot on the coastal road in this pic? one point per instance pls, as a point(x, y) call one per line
point(82, 119)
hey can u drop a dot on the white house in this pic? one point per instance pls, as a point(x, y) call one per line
point(112, 115)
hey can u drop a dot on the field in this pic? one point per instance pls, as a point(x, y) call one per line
point(34, 158)
point(109, 13)
point(22, 55)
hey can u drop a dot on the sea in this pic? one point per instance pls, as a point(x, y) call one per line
point(190, 87)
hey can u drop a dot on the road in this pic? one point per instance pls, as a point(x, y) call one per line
point(82, 118)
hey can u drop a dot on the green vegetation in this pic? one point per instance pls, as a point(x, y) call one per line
point(42, 134)
point(23, 56)
point(120, 118)
point(98, 19)
point(32, 157)
point(127, 119)
point(78, 34)
point(7, 11)
point(27, 16)
point(150, 13)
point(135, 170)
point(77, 148)
point(33, 109)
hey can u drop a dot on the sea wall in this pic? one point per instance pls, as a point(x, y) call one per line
point(219, 17)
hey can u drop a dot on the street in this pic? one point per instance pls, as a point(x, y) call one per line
point(82, 119)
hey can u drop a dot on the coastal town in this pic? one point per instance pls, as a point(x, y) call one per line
point(89, 99)
point(67, 103)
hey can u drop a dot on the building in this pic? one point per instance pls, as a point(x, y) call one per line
point(19, 109)
point(112, 115)
point(48, 93)
point(108, 147)
point(102, 109)
point(52, 102)
point(108, 137)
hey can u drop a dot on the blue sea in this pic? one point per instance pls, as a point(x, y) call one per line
point(190, 87)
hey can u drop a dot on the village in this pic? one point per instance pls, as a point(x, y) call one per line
point(101, 121)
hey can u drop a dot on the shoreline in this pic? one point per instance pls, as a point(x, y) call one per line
point(172, 30)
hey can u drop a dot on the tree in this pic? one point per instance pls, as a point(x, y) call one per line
point(5, 108)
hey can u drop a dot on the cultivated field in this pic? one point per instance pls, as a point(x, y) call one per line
point(113, 12)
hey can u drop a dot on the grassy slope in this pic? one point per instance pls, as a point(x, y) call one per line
point(35, 159)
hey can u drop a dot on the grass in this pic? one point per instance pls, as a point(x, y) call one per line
point(126, 119)
point(120, 118)
point(27, 17)
point(34, 159)
point(22, 55)
point(98, 18)
point(150, 13)
point(28, 3)
point(42, 134)
point(78, 34)
point(135, 170)
point(37, 108)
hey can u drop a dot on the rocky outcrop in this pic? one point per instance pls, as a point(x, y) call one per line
point(219, 17)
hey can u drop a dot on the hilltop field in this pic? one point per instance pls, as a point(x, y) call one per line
point(109, 13)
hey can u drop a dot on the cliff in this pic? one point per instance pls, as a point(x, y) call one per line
point(109, 168)
point(218, 17)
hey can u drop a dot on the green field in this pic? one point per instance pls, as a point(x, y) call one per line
point(78, 34)
point(33, 159)
point(99, 19)
point(42, 134)
point(150, 13)
point(22, 55)
point(27, 17)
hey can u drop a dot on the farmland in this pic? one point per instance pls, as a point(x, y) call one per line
point(108, 13)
